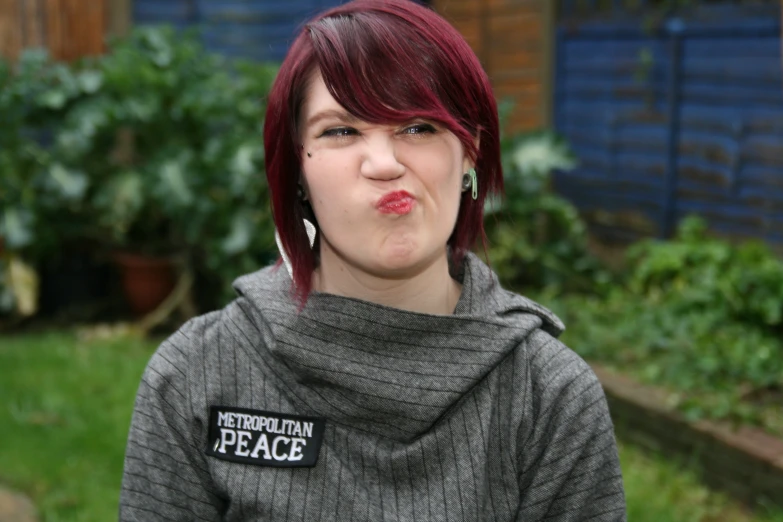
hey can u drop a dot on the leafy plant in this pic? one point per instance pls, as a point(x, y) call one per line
point(712, 369)
point(696, 315)
point(7, 298)
point(537, 238)
point(170, 140)
point(155, 147)
point(696, 272)
point(34, 96)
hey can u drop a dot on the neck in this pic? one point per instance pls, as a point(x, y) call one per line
point(429, 289)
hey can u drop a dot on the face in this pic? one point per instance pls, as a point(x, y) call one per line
point(386, 197)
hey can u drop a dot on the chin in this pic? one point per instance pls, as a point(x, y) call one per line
point(398, 262)
point(402, 260)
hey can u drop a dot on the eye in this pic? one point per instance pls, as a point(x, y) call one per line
point(339, 132)
point(419, 128)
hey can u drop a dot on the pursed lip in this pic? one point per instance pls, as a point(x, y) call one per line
point(397, 202)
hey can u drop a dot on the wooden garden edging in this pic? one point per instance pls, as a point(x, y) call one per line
point(745, 462)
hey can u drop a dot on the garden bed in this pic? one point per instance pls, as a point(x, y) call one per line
point(744, 461)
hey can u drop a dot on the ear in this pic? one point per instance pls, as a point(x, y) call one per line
point(467, 163)
point(305, 189)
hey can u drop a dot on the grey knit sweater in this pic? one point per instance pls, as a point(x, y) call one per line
point(350, 410)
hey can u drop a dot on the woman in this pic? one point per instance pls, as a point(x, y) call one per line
point(383, 374)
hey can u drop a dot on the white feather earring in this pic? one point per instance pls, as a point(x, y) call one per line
point(310, 228)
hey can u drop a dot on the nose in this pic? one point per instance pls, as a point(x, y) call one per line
point(379, 161)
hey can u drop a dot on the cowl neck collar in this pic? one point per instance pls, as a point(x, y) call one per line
point(381, 370)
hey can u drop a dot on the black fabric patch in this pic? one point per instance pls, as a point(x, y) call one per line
point(264, 438)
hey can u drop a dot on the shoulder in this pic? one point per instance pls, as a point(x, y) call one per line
point(181, 347)
point(555, 368)
point(552, 364)
point(565, 446)
point(555, 378)
point(565, 395)
point(196, 350)
point(185, 354)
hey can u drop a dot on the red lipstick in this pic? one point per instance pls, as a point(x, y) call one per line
point(398, 202)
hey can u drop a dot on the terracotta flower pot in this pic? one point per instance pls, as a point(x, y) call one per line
point(146, 280)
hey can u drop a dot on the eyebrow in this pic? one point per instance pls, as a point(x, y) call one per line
point(343, 116)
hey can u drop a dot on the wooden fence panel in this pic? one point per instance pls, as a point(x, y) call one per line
point(69, 29)
point(513, 41)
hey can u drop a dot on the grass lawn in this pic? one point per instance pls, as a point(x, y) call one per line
point(658, 490)
point(65, 406)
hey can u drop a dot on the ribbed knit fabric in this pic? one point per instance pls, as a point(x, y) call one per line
point(479, 416)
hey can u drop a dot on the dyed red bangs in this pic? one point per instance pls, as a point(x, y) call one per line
point(379, 77)
point(384, 62)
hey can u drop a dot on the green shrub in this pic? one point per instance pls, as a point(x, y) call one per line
point(35, 94)
point(712, 368)
point(155, 147)
point(172, 141)
point(695, 272)
point(537, 238)
point(171, 133)
point(698, 316)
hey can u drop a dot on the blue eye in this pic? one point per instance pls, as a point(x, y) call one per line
point(340, 132)
point(419, 128)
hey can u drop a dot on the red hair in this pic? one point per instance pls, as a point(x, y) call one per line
point(384, 62)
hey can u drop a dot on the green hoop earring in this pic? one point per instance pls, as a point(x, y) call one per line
point(469, 180)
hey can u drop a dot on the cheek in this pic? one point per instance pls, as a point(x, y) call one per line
point(453, 183)
point(450, 179)
point(329, 194)
point(319, 179)
point(319, 195)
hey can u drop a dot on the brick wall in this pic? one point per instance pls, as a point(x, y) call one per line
point(513, 39)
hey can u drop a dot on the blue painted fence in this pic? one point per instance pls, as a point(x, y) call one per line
point(259, 30)
point(683, 118)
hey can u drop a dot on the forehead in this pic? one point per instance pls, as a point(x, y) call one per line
point(317, 99)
